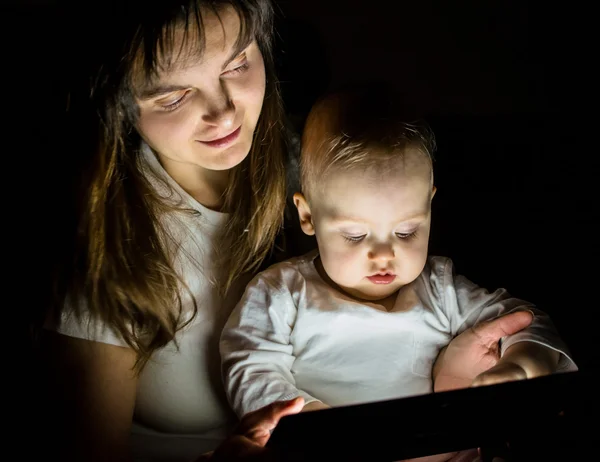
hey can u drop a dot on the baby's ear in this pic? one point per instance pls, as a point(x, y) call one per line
point(306, 222)
point(433, 191)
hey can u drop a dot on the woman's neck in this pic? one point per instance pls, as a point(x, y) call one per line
point(206, 186)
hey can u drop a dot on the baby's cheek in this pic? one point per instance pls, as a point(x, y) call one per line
point(416, 259)
point(342, 265)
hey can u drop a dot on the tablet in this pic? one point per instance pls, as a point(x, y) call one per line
point(524, 413)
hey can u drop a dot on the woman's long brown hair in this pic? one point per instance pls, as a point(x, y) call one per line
point(122, 272)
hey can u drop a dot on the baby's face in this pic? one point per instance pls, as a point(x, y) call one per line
point(373, 229)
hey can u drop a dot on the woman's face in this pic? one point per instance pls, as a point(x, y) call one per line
point(203, 112)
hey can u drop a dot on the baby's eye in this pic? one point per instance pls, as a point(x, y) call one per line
point(406, 235)
point(354, 238)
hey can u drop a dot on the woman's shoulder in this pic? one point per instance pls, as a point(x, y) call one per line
point(75, 320)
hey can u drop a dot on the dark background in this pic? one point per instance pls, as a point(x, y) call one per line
point(503, 84)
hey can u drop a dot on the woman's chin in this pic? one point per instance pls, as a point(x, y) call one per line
point(229, 157)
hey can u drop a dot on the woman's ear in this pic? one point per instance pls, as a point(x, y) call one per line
point(306, 222)
point(433, 191)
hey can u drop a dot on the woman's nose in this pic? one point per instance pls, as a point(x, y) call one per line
point(220, 110)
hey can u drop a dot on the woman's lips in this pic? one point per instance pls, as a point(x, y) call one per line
point(382, 278)
point(226, 140)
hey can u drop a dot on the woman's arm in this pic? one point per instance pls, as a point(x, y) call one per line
point(92, 389)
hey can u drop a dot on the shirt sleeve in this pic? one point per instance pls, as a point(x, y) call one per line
point(466, 304)
point(256, 352)
point(80, 324)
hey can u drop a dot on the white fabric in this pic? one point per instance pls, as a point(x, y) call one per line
point(181, 410)
point(292, 334)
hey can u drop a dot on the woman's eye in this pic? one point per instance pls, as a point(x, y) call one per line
point(239, 69)
point(172, 104)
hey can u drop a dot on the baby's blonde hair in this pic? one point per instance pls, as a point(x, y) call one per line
point(346, 131)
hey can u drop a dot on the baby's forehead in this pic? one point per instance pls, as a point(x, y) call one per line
point(371, 207)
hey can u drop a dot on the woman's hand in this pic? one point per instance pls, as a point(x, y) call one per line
point(315, 406)
point(523, 360)
point(247, 443)
point(476, 351)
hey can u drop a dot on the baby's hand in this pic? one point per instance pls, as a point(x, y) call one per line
point(501, 372)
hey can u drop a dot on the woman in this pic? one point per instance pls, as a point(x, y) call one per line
point(182, 200)
point(190, 161)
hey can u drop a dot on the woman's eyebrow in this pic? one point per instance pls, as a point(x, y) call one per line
point(158, 90)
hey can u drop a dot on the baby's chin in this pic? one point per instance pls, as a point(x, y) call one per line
point(375, 295)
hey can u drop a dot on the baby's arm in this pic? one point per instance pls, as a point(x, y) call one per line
point(534, 351)
point(256, 353)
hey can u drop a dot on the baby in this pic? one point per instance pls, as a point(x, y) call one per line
point(365, 317)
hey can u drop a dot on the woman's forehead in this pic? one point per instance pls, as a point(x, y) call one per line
point(210, 40)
